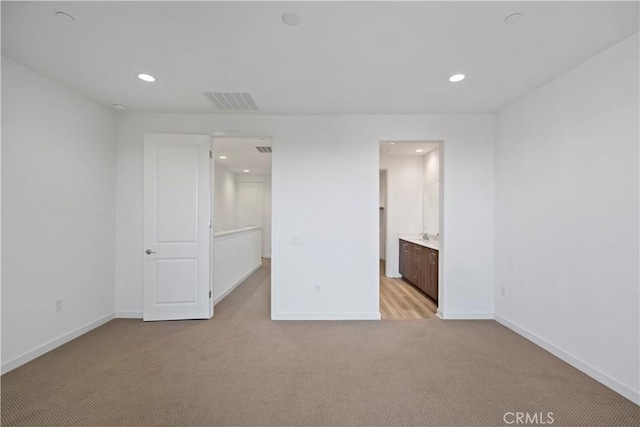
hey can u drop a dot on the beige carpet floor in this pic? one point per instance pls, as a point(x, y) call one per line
point(243, 369)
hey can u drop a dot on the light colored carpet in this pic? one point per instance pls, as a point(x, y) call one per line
point(243, 369)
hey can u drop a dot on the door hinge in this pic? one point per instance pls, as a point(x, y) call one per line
point(210, 224)
point(209, 294)
point(210, 154)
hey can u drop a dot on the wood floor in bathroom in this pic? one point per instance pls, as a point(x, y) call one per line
point(399, 300)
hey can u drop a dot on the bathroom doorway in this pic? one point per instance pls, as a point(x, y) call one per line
point(410, 229)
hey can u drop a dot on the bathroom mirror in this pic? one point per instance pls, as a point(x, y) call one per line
point(431, 193)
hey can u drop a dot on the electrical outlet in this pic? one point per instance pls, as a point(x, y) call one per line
point(503, 290)
point(59, 304)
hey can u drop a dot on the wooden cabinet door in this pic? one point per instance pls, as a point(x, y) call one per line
point(433, 274)
point(411, 273)
point(404, 248)
point(417, 265)
point(426, 272)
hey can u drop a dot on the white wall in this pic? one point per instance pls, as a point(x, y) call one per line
point(404, 203)
point(567, 217)
point(325, 191)
point(431, 192)
point(225, 199)
point(235, 256)
point(265, 179)
point(58, 213)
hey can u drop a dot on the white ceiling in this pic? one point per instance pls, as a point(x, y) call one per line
point(407, 148)
point(241, 154)
point(345, 57)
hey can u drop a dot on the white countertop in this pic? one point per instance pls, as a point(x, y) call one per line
point(431, 244)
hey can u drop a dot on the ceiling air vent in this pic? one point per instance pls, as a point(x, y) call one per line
point(232, 101)
point(264, 149)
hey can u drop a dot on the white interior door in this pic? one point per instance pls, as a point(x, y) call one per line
point(249, 211)
point(177, 233)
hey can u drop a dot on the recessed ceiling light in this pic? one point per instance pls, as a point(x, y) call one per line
point(419, 150)
point(514, 17)
point(119, 107)
point(146, 77)
point(223, 157)
point(392, 143)
point(291, 19)
point(246, 170)
point(457, 78)
point(65, 16)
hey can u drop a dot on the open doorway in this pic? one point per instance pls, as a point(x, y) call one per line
point(242, 210)
point(411, 190)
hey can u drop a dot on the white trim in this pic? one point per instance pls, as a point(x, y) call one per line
point(439, 313)
point(47, 347)
point(481, 315)
point(594, 373)
point(128, 315)
point(326, 316)
point(235, 285)
point(236, 231)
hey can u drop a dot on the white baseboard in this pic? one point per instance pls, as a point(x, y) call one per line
point(481, 315)
point(325, 316)
point(594, 373)
point(128, 315)
point(235, 285)
point(439, 313)
point(45, 348)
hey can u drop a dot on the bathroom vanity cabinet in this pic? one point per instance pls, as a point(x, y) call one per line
point(419, 265)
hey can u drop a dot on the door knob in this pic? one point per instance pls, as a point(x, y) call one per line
point(149, 252)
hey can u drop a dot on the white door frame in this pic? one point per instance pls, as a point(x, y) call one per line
point(385, 215)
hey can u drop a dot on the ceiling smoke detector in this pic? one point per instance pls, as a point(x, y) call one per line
point(65, 16)
point(291, 19)
point(514, 17)
point(232, 101)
